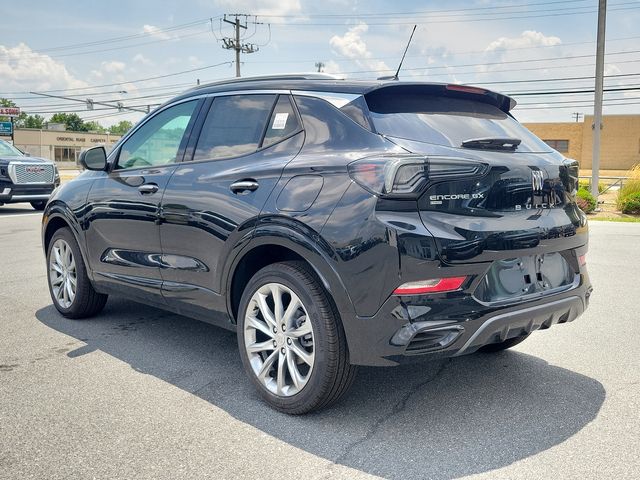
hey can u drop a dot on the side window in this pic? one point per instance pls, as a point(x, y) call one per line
point(283, 122)
point(233, 126)
point(157, 141)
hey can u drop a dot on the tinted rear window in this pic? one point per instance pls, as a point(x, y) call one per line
point(446, 121)
point(283, 122)
point(234, 126)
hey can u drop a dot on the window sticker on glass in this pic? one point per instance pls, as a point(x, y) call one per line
point(280, 121)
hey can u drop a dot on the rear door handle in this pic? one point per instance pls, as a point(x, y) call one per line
point(148, 188)
point(244, 186)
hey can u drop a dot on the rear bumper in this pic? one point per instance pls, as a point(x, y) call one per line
point(522, 322)
point(11, 193)
point(409, 328)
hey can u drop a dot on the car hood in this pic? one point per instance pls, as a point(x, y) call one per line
point(6, 160)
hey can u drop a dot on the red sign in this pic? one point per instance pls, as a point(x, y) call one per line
point(10, 111)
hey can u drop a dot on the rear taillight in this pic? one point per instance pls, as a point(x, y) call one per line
point(408, 175)
point(582, 259)
point(434, 285)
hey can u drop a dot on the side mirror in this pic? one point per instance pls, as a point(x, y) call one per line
point(95, 158)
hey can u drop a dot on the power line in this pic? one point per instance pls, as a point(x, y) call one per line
point(510, 62)
point(111, 92)
point(155, 31)
point(558, 79)
point(576, 102)
point(122, 47)
point(423, 12)
point(574, 106)
point(511, 70)
point(131, 81)
point(570, 92)
point(453, 52)
point(551, 13)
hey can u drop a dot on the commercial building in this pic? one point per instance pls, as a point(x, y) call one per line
point(62, 146)
point(619, 141)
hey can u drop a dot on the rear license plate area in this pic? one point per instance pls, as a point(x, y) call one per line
point(531, 275)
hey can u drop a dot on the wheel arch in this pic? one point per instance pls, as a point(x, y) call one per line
point(58, 216)
point(280, 244)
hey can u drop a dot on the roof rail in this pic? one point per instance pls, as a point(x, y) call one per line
point(286, 76)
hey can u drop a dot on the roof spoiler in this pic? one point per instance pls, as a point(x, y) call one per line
point(503, 102)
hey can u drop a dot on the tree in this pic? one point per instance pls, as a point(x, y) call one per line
point(31, 121)
point(94, 126)
point(72, 121)
point(120, 128)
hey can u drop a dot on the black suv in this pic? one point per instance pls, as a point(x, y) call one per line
point(24, 178)
point(331, 223)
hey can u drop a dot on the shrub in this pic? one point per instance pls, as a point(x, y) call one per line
point(585, 200)
point(587, 185)
point(631, 203)
point(631, 185)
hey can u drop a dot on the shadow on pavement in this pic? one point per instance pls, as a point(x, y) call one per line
point(9, 210)
point(441, 419)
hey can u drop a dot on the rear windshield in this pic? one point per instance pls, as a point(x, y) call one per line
point(446, 121)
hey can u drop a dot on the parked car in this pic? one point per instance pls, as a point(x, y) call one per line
point(331, 223)
point(24, 178)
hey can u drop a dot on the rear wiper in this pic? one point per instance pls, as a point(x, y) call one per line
point(492, 143)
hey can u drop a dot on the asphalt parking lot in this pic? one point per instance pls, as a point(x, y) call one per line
point(140, 393)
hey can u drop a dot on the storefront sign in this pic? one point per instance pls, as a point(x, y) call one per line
point(9, 111)
point(85, 139)
point(6, 128)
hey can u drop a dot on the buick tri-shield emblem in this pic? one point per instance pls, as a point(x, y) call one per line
point(537, 180)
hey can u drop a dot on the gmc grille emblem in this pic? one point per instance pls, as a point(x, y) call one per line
point(34, 169)
point(537, 180)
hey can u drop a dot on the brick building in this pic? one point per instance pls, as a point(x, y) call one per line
point(620, 140)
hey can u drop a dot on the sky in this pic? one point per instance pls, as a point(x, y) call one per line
point(144, 52)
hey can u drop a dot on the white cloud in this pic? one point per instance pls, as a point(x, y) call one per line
point(112, 70)
point(155, 32)
point(113, 66)
point(141, 59)
point(611, 69)
point(331, 67)
point(352, 46)
point(194, 61)
point(528, 38)
point(23, 69)
point(263, 7)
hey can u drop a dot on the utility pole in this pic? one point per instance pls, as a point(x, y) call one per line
point(234, 43)
point(597, 107)
point(319, 66)
point(577, 116)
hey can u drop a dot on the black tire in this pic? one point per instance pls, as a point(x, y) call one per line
point(332, 374)
point(498, 347)
point(87, 301)
point(39, 204)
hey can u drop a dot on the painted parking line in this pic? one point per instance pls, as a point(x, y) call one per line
point(14, 215)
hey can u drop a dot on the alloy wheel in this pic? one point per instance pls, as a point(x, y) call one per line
point(278, 337)
point(62, 273)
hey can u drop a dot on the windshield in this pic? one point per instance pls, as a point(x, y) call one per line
point(446, 121)
point(8, 150)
